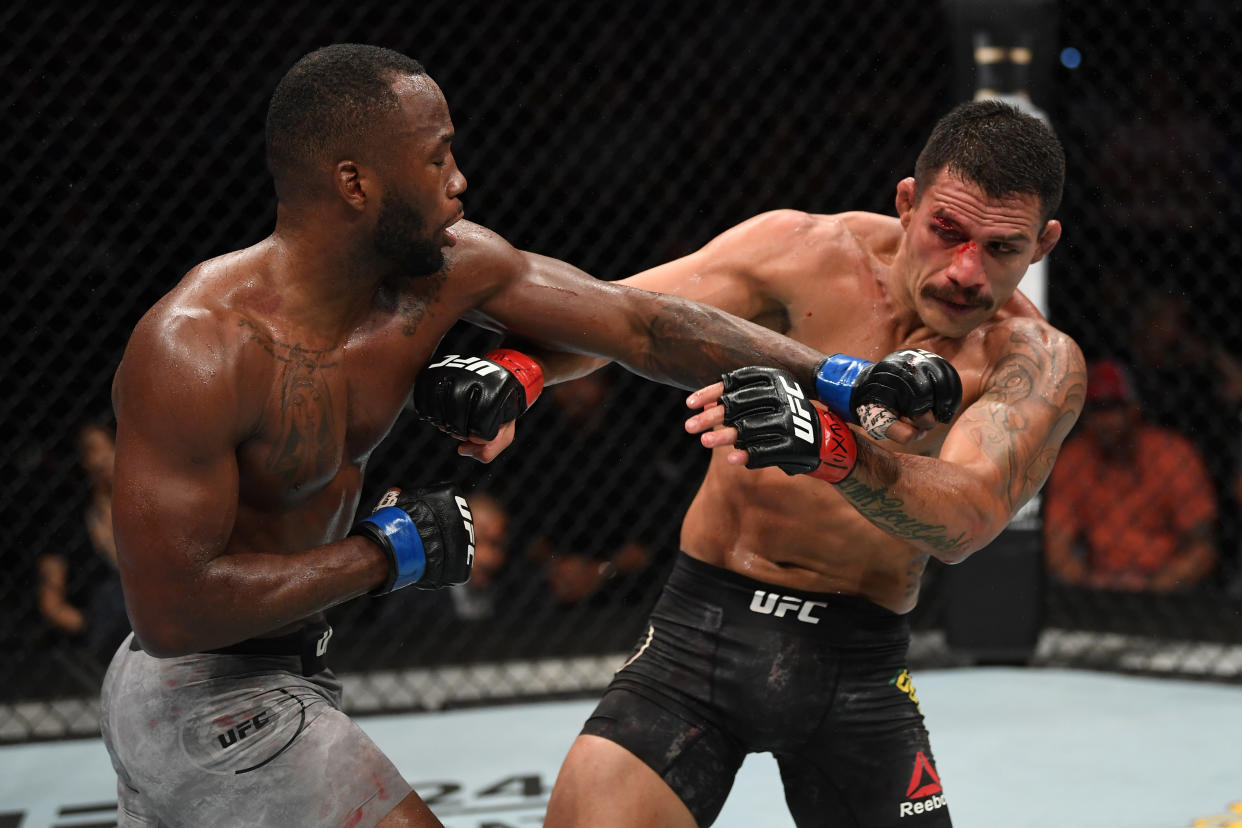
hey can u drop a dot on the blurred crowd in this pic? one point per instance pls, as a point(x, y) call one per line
point(570, 553)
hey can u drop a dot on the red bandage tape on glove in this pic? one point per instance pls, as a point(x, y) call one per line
point(838, 452)
point(521, 366)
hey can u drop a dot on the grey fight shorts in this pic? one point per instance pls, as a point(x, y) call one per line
point(238, 740)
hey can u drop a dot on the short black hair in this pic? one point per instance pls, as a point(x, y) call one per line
point(327, 102)
point(998, 147)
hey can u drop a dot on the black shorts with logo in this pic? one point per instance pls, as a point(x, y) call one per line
point(730, 666)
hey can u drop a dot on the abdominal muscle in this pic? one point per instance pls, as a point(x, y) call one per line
point(797, 532)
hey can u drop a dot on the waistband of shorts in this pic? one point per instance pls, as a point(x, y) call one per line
point(751, 602)
point(310, 644)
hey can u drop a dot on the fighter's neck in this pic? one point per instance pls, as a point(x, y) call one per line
point(325, 286)
point(896, 280)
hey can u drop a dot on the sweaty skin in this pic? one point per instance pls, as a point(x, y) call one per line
point(251, 396)
point(942, 276)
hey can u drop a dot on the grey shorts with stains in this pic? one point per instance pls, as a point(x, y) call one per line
point(238, 740)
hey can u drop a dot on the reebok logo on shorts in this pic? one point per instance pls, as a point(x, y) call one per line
point(924, 783)
point(769, 603)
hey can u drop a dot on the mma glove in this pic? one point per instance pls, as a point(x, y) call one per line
point(427, 534)
point(906, 382)
point(778, 426)
point(472, 396)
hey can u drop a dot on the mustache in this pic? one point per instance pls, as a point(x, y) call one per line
point(969, 298)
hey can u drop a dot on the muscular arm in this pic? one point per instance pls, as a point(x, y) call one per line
point(994, 459)
point(681, 323)
point(190, 583)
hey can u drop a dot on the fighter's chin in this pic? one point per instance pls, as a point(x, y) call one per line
point(448, 238)
point(950, 319)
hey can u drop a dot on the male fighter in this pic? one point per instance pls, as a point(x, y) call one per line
point(782, 628)
point(248, 401)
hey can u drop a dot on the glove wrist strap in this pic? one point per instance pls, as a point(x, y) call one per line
point(396, 534)
point(521, 366)
point(838, 450)
point(834, 383)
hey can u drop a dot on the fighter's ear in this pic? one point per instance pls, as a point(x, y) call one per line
point(1047, 240)
point(907, 199)
point(351, 184)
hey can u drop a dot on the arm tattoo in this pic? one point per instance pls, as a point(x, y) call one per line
point(690, 345)
point(307, 441)
point(888, 511)
point(1038, 380)
point(1028, 407)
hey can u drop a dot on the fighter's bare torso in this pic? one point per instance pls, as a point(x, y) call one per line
point(248, 404)
point(838, 297)
point(304, 406)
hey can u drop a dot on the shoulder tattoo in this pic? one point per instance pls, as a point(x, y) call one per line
point(1028, 407)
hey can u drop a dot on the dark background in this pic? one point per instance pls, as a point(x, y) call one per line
point(614, 136)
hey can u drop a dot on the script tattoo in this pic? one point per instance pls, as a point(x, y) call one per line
point(307, 442)
point(888, 511)
point(1029, 404)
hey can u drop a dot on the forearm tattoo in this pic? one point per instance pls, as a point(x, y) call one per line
point(1029, 405)
point(888, 511)
point(691, 345)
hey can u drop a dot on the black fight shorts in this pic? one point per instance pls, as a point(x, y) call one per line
point(730, 666)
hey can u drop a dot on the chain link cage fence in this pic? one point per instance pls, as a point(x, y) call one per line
point(615, 136)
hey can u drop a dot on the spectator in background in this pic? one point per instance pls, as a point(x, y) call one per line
point(1129, 505)
point(591, 549)
point(1189, 380)
point(478, 598)
point(81, 597)
point(1181, 366)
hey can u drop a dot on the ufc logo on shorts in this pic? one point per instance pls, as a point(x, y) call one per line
point(769, 603)
point(482, 367)
point(464, 508)
point(801, 419)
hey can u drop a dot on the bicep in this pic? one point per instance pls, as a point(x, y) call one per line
point(554, 304)
point(733, 273)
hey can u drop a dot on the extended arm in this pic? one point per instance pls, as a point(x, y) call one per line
point(740, 272)
point(661, 335)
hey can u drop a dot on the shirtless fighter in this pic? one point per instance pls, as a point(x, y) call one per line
point(782, 628)
point(248, 401)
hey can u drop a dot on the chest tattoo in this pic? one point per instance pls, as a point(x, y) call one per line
point(306, 443)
